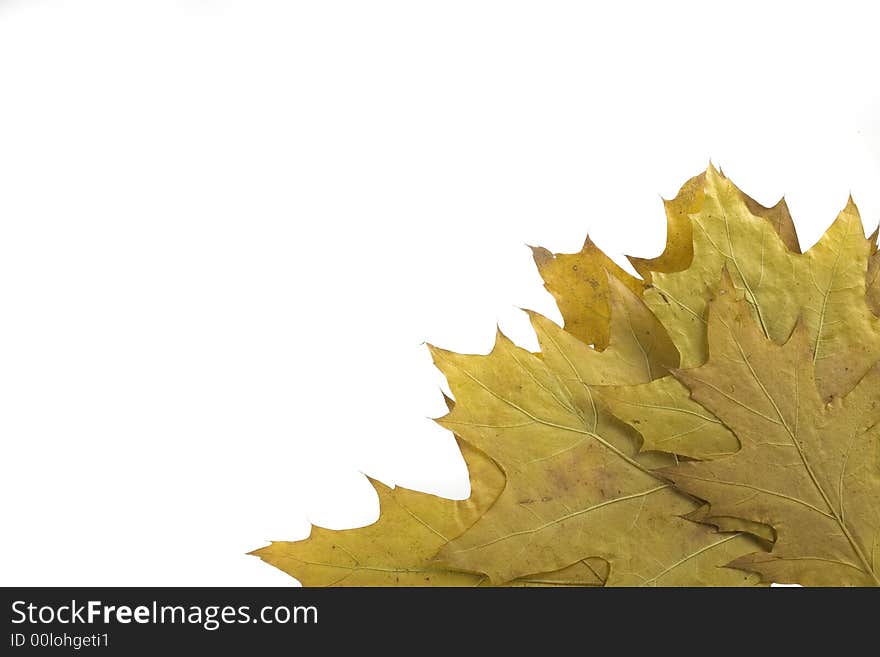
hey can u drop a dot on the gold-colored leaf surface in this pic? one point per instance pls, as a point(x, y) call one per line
point(574, 487)
point(779, 218)
point(660, 438)
point(669, 420)
point(730, 524)
point(587, 572)
point(639, 349)
point(397, 549)
point(873, 283)
point(679, 250)
point(579, 283)
point(576, 280)
point(809, 470)
point(826, 285)
point(844, 335)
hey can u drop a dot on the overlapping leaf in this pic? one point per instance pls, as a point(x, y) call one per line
point(572, 469)
point(397, 550)
point(760, 248)
point(662, 411)
point(679, 251)
point(809, 470)
point(826, 285)
point(572, 474)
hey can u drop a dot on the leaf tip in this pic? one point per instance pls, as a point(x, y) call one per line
point(589, 244)
point(541, 256)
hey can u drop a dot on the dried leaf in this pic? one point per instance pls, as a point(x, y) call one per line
point(397, 549)
point(639, 349)
point(571, 475)
point(679, 250)
point(809, 470)
point(826, 285)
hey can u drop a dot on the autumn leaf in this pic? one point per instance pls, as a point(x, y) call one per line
point(397, 549)
point(578, 280)
point(778, 282)
point(639, 349)
point(662, 411)
point(826, 285)
point(572, 473)
point(679, 250)
point(808, 469)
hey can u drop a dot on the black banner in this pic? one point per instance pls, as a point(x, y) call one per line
point(150, 621)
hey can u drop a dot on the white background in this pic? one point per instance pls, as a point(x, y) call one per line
point(226, 228)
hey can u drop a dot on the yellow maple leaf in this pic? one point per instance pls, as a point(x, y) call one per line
point(826, 285)
point(575, 487)
point(397, 549)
